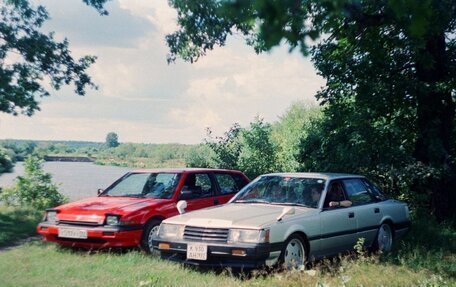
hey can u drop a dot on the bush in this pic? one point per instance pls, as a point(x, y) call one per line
point(411, 183)
point(6, 163)
point(34, 189)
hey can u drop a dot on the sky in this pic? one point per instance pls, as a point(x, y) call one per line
point(144, 99)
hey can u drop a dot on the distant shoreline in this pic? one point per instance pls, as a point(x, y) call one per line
point(69, 158)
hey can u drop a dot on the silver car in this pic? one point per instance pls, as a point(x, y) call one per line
point(286, 218)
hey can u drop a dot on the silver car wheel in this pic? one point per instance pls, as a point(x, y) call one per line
point(294, 254)
point(385, 238)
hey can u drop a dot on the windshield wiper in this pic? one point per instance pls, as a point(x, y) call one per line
point(134, 195)
point(252, 201)
point(289, 204)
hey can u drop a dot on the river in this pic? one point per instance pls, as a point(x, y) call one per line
point(76, 180)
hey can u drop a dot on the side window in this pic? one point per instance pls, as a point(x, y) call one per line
point(335, 193)
point(374, 190)
point(227, 183)
point(240, 181)
point(204, 182)
point(357, 192)
point(199, 184)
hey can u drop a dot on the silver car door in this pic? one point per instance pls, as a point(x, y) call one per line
point(368, 212)
point(338, 224)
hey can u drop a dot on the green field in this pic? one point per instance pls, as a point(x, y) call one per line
point(425, 257)
point(39, 264)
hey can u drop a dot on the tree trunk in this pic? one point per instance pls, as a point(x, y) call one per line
point(435, 119)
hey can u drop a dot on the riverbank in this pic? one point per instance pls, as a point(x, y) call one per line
point(76, 180)
point(69, 158)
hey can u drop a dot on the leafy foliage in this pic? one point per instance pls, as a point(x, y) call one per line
point(200, 156)
point(288, 132)
point(258, 154)
point(17, 223)
point(248, 149)
point(34, 189)
point(6, 163)
point(227, 148)
point(28, 56)
point(112, 140)
point(390, 71)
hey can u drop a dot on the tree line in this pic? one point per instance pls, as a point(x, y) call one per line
point(388, 108)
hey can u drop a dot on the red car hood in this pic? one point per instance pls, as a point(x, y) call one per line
point(95, 209)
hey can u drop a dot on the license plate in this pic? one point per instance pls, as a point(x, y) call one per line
point(72, 233)
point(197, 251)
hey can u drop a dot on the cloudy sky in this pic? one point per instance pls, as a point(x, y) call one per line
point(145, 100)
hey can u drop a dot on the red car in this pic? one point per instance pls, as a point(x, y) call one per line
point(128, 213)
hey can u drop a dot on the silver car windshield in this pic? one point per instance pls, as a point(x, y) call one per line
point(283, 190)
point(155, 185)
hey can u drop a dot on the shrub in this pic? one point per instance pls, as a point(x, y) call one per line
point(34, 189)
point(6, 163)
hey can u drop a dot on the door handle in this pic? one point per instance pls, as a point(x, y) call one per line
point(216, 202)
point(376, 210)
point(351, 214)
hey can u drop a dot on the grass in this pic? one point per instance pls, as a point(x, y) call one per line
point(17, 223)
point(425, 257)
point(41, 264)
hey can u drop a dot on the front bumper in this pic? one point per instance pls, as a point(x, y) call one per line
point(218, 254)
point(98, 237)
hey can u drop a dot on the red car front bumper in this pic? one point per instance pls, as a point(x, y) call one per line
point(98, 237)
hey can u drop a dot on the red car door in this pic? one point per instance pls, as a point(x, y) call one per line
point(228, 184)
point(202, 190)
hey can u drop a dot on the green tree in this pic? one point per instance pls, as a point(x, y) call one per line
point(396, 60)
point(6, 163)
point(226, 148)
point(112, 140)
point(258, 152)
point(28, 57)
point(200, 156)
point(288, 132)
point(250, 149)
point(34, 189)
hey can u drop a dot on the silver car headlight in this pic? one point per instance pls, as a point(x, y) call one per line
point(248, 236)
point(51, 216)
point(171, 231)
point(112, 219)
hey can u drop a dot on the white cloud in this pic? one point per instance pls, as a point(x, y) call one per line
point(157, 12)
point(242, 87)
point(144, 99)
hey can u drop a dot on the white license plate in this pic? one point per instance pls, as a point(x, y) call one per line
point(72, 233)
point(197, 251)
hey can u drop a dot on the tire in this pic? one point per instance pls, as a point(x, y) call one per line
point(384, 239)
point(150, 229)
point(294, 252)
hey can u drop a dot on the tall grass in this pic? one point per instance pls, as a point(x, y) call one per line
point(17, 223)
point(425, 257)
point(428, 246)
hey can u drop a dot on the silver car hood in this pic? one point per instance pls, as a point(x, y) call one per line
point(237, 215)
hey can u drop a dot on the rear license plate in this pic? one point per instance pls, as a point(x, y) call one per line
point(72, 233)
point(197, 251)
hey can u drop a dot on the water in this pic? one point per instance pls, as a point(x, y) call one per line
point(76, 180)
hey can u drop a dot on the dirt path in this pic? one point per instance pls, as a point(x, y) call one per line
point(19, 243)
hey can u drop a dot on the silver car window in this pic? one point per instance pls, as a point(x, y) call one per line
point(357, 192)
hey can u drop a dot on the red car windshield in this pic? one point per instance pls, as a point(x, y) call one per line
point(154, 185)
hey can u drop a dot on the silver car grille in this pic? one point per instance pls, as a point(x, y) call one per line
point(206, 234)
